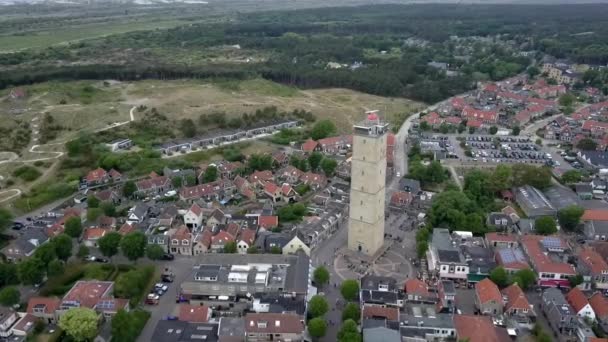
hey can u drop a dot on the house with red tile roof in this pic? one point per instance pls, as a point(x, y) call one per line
point(380, 312)
point(93, 294)
point(281, 326)
point(336, 145)
point(126, 228)
point(517, 305)
point(315, 180)
point(485, 116)
point(309, 146)
point(193, 218)
point(432, 119)
point(193, 313)
point(202, 242)
point(273, 191)
point(599, 304)
point(268, 222)
point(595, 215)
point(244, 188)
point(107, 195)
point(154, 185)
point(220, 239)
point(501, 240)
point(208, 192)
point(44, 308)
point(474, 123)
point(458, 103)
point(280, 159)
point(106, 222)
point(97, 177)
point(478, 329)
point(400, 200)
point(488, 299)
point(595, 128)
point(550, 273)
point(453, 120)
point(416, 290)
point(592, 266)
point(290, 174)
point(260, 178)
point(288, 194)
point(246, 240)
point(577, 299)
point(92, 234)
point(181, 241)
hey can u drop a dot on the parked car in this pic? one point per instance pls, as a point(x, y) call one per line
point(168, 256)
point(152, 299)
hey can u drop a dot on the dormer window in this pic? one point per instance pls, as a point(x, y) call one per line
point(175, 242)
point(185, 242)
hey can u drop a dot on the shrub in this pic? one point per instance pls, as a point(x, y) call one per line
point(27, 173)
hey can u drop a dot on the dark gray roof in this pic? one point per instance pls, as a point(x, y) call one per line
point(231, 326)
point(595, 158)
point(178, 331)
point(379, 297)
point(561, 197)
point(282, 304)
point(30, 239)
point(533, 202)
point(583, 188)
point(448, 255)
point(410, 185)
point(373, 282)
point(140, 210)
point(381, 334)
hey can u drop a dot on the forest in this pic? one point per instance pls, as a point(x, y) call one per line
point(382, 50)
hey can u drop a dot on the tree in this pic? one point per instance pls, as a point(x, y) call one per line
point(6, 219)
point(210, 174)
point(524, 278)
point(424, 126)
point(109, 243)
point(576, 280)
point(329, 166)
point(9, 296)
point(350, 289)
point(570, 216)
point(31, 271)
point(317, 306)
point(533, 71)
point(8, 274)
point(421, 248)
point(257, 162)
point(63, 246)
point(155, 252)
point(187, 127)
point(317, 327)
point(499, 276)
point(276, 250)
point(83, 251)
point(252, 250)
point(93, 214)
point(80, 323)
point(323, 129)
point(516, 130)
point(538, 177)
point(567, 100)
point(73, 227)
point(93, 201)
point(176, 182)
point(349, 332)
point(321, 276)
point(230, 247)
point(545, 225)
point(108, 209)
point(133, 245)
point(314, 160)
point(129, 188)
point(45, 253)
point(571, 176)
point(123, 327)
point(586, 144)
point(351, 311)
point(55, 268)
point(539, 142)
point(493, 130)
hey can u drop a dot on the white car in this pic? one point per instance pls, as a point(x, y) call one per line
point(398, 174)
point(170, 193)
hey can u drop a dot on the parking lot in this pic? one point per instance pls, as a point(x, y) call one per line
point(507, 150)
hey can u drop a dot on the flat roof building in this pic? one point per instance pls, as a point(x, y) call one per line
point(533, 202)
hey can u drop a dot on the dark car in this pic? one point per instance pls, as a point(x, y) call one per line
point(168, 256)
point(18, 225)
point(102, 260)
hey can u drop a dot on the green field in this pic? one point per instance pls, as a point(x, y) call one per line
point(42, 39)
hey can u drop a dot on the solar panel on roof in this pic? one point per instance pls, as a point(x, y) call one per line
point(551, 242)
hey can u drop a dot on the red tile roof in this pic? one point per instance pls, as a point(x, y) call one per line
point(540, 261)
point(589, 125)
point(599, 304)
point(193, 313)
point(576, 298)
point(50, 304)
point(94, 233)
point(126, 229)
point(516, 299)
point(432, 118)
point(200, 190)
point(491, 87)
point(474, 123)
point(309, 145)
point(248, 236)
point(182, 233)
point(475, 328)
point(114, 174)
point(260, 176)
point(457, 102)
point(313, 178)
point(595, 215)
point(417, 287)
point(374, 311)
point(481, 115)
point(271, 188)
point(487, 291)
point(494, 236)
point(454, 120)
point(594, 261)
point(96, 175)
point(399, 198)
point(152, 183)
point(268, 221)
point(196, 210)
point(205, 238)
point(222, 237)
point(291, 171)
point(273, 323)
